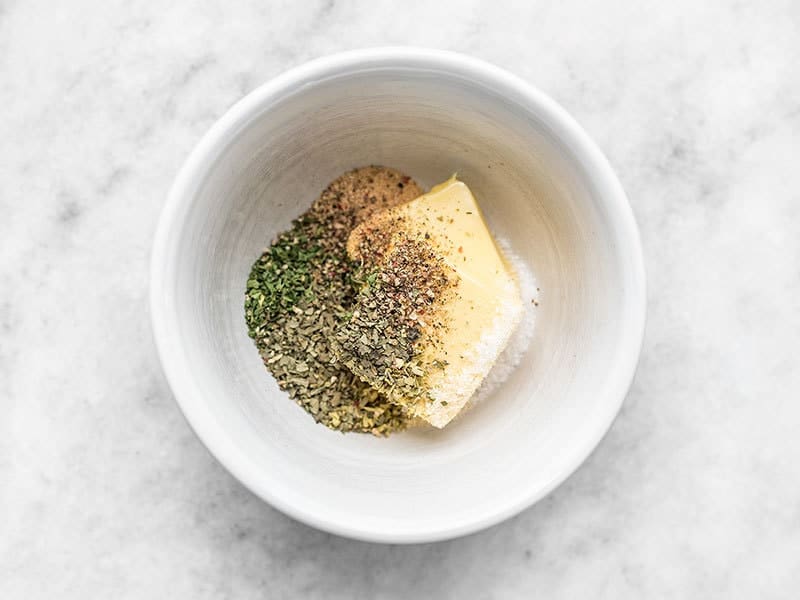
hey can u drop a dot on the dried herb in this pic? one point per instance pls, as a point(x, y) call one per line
point(282, 277)
point(301, 289)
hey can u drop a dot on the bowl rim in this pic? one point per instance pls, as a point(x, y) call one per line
point(165, 331)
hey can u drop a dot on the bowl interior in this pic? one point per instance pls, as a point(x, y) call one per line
point(539, 190)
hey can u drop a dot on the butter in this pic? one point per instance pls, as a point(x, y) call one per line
point(469, 325)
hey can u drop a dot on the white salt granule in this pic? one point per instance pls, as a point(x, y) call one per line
point(520, 340)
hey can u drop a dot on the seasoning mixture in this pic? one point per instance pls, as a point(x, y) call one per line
point(387, 337)
point(440, 304)
point(303, 288)
point(382, 305)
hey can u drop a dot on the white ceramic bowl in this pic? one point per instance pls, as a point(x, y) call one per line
point(544, 186)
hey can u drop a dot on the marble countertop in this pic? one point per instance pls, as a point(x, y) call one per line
point(695, 492)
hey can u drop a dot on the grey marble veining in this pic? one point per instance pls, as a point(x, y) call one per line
point(695, 492)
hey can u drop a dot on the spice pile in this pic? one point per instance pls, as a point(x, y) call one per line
point(303, 289)
point(396, 316)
